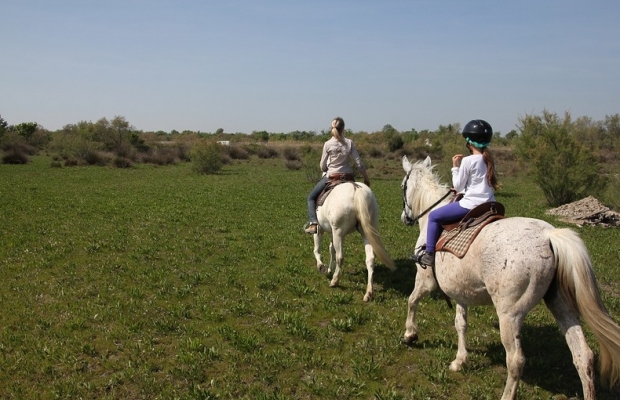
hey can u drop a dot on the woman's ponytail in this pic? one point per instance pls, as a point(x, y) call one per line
point(338, 128)
point(490, 163)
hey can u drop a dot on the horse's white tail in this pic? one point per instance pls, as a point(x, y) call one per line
point(578, 285)
point(367, 212)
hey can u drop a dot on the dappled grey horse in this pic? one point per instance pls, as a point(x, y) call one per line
point(513, 264)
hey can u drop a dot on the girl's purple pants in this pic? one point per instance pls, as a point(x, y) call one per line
point(449, 213)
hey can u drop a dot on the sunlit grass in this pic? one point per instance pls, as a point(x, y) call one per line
point(155, 282)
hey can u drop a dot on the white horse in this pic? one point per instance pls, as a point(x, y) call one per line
point(513, 264)
point(350, 206)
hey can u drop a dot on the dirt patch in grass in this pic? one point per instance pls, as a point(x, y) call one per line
point(587, 211)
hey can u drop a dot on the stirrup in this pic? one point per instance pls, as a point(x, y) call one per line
point(419, 252)
point(307, 226)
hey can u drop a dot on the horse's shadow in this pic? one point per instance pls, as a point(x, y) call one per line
point(548, 362)
point(402, 280)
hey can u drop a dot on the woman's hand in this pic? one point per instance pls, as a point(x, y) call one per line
point(456, 160)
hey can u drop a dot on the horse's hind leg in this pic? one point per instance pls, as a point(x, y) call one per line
point(337, 254)
point(370, 266)
point(583, 358)
point(510, 328)
point(460, 323)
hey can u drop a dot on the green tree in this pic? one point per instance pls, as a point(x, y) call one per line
point(511, 135)
point(562, 167)
point(4, 126)
point(76, 141)
point(612, 131)
point(26, 129)
point(388, 131)
point(261, 136)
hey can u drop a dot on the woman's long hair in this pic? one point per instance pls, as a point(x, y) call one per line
point(490, 163)
point(338, 129)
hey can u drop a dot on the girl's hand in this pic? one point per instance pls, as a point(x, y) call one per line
point(456, 160)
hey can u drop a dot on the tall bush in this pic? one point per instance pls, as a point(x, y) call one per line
point(562, 167)
point(207, 158)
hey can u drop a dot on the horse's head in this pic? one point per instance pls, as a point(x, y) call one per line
point(419, 186)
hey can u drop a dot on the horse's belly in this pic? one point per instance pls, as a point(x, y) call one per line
point(461, 284)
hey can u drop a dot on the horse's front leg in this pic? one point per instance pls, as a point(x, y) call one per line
point(370, 267)
point(317, 251)
point(337, 255)
point(424, 284)
point(460, 323)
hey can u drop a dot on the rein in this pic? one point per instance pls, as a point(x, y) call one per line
point(412, 221)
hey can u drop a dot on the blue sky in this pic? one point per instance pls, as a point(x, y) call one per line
point(280, 66)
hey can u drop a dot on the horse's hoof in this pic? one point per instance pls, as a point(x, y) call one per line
point(333, 283)
point(455, 366)
point(409, 340)
point(322, 268)
point(367, 297)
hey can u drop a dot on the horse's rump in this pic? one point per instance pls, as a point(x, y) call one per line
point(334, 180)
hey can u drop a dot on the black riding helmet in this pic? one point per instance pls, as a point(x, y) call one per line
point(478, 132)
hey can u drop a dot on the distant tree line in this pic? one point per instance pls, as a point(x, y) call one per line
point(567, 158)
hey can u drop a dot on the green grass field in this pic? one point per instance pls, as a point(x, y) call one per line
point(158, 283)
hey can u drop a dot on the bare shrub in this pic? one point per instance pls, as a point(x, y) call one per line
point(16, 151)
point(163, 155)
point(183, 152)
point(15, 156)
point(291, 154)
point(237, 152)
point(267, 152)
point(375, 152)
point(95, 158)
point(121, 162)
point(294, 165)
point(252, 148)
point(126, 151)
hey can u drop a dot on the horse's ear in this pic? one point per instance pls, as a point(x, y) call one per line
point(406, 164)
point(427, 162)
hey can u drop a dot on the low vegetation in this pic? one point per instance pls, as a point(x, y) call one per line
point(568, 159)
point(157, 282)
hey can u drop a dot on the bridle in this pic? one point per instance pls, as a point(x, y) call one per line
point(411, 221)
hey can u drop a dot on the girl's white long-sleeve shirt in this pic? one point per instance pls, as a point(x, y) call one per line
point(471, 180)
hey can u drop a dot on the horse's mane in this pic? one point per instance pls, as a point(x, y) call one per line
point(428, 188)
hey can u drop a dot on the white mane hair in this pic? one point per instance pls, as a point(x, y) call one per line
point(425, 183)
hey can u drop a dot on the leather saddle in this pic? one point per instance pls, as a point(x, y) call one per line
point(334, 180)
point(458, 236)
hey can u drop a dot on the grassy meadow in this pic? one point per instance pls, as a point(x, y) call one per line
point(159, 283)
